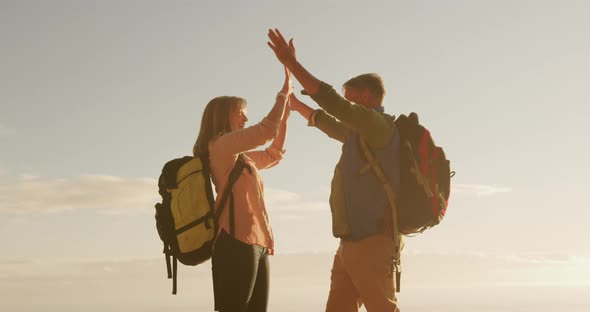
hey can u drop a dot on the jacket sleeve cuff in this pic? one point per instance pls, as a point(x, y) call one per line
point(311, 121)
point(326, 96)
point(323, 90)
point(276, 153)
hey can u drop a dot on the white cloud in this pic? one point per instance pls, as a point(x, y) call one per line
point(272, 196)
point(295, 206)
point(28, 177)
point(479, 189)
point(291, 217)
point(535, 259)
point(291, 203)
point(114, 195)
point(108, 194)
point(528, 259)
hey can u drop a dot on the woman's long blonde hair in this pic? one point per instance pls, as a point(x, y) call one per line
point(215, 121)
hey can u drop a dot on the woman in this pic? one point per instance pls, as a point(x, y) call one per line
point(240, 253)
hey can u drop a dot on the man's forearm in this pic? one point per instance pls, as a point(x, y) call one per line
point(308, 81)
point(371, 125)
point(305, 111)
point(330, 126)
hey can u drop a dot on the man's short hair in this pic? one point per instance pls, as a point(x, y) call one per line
point(370, 81)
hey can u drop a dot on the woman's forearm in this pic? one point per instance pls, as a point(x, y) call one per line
point(278, 110)
point(279, 141)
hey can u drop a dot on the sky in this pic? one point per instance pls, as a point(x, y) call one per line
point(95, 96)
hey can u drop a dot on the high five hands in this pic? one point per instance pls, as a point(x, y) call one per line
point(285, 52)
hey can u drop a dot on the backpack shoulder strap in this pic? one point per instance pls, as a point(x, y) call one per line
point(391, 197)
point(207, 174)
point(233, 177)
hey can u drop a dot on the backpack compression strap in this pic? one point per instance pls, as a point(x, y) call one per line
point(171, 270)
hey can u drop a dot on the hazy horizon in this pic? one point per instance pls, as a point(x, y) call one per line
point(299, 282)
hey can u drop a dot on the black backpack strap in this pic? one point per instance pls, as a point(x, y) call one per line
point(167, 258)
point(208, 189)
point(232, 217)
point(171, 267)
point(174, 274)
point(398, 275)
point(233, 177)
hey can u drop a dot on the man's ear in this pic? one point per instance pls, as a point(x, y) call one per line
point(366, 96)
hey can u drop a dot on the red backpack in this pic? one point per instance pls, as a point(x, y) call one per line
point(425, 178)
point(425, 183)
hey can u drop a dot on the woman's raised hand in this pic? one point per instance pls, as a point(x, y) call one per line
point(287, 84)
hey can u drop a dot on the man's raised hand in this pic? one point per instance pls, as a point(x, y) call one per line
point(285, 52)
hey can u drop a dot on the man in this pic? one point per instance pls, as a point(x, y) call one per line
point(363, 269)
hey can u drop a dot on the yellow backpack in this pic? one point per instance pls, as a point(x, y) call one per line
point(185, 219)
